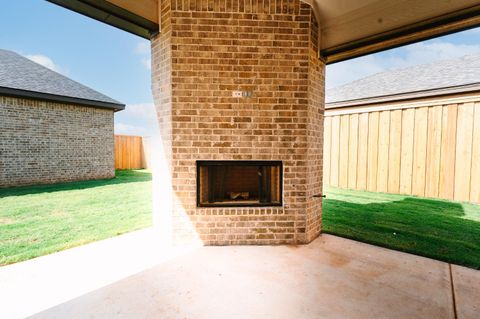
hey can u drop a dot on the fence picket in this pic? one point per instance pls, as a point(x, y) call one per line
point(431, 151)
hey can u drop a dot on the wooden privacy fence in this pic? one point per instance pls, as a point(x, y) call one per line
point(430, 150)
point(131, 152)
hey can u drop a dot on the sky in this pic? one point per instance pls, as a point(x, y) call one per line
point(117, 63)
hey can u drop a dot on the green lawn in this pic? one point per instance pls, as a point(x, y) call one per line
point(39, 220)
point(443, 230)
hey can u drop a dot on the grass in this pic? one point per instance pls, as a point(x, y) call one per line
point(40, 220)
point(439, 229)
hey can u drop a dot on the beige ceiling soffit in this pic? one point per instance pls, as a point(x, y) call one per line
point(146, 9)
point(424, 30)
point(313, 4)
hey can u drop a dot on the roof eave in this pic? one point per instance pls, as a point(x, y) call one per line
point(60, 98)
point(404, 96)
point(111, 14)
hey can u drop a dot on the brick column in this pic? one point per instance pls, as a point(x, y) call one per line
point(206, 50)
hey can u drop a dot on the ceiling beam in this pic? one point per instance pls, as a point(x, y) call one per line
point(424, 30)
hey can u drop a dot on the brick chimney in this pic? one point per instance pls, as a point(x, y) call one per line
point(241, 81)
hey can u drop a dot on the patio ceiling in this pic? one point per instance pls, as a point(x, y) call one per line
point(350, 28)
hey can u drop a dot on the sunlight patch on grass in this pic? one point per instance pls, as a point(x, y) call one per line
point(471, 211)
point(440, 229)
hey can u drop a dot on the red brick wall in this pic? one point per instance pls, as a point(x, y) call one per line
point(316, 93)
point(267, 47)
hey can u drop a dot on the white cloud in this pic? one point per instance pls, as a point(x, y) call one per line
point(348, 71)
point(143, 47)
point(137, 119)
point(419, 53)
point(144, 111)
point(127, 129)
point(46, 62)
point(147, 62)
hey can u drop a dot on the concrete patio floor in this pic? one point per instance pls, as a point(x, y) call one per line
point(131, 276)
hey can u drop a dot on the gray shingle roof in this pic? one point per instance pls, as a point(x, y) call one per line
point(454, 73)
point(20, 76)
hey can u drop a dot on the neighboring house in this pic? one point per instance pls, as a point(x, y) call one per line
point(409, 131)
point(52, 129)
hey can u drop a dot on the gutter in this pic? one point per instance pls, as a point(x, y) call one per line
point(60, 98)
point(111, 14)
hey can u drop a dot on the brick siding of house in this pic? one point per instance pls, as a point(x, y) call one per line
point(207, 49)
point(46, 142)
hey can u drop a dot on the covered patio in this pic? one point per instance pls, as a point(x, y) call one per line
point(246, 83)
point(131, 277)
point(239, 83)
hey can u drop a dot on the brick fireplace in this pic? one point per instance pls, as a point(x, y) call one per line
point(239, 82)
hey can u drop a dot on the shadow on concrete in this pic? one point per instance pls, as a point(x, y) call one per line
point(432, 228)
point(121, 177)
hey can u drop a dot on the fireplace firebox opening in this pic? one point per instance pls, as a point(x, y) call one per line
point(239, 183)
